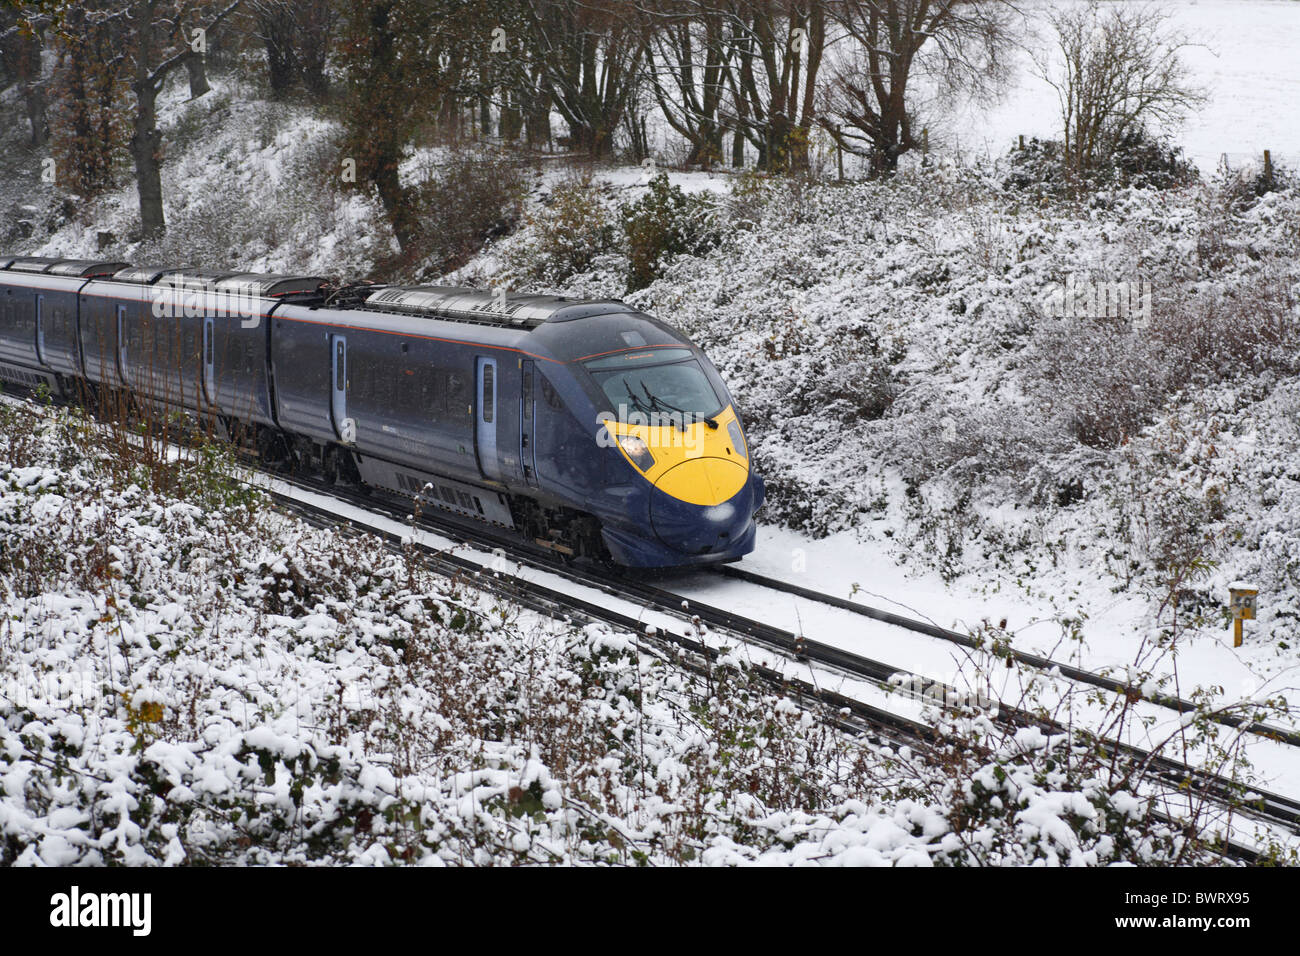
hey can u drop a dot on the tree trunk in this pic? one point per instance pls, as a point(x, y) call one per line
point(314, 78)
point(706, 148)
point(395, 199)
point(279, 65)
point(511, 120)
point(781, 148)
point(590, 139)
point(198, 72)
point(34, 96)
point(146, 145)
point(537, 121)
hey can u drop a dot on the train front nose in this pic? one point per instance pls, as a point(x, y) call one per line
point(704, 506)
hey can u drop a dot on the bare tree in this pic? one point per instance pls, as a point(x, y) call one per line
point(21, 45)
point(296, 35)
point(1116, 70)
point(162, 38)
point(89, 103)
point(958, 45)
point(590, 52)
point(778, 47)
point(687, 61)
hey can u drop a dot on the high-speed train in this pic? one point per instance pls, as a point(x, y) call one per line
point(585, 426)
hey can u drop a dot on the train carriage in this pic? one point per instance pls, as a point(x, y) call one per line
point(585, 426)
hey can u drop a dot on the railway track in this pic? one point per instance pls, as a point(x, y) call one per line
point(1079, 674)
point(845, 711)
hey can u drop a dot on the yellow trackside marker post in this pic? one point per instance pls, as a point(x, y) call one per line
point(1241, 601)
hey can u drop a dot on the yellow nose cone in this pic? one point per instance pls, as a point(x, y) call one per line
point(704, 481)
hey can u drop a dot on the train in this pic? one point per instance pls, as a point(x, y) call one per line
point(585, 427)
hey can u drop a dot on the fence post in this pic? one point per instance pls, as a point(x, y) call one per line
point(1268, 167)
point(839, 151)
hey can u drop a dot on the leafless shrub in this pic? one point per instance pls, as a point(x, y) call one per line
point(573, 229)
point(1120, 71)
point(1103, 378)
point(1245, 328)
point(461, 205)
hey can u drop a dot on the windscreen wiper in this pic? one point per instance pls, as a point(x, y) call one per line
point(655, 400)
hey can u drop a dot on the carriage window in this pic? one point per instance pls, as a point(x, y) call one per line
point(338, 366)
point(429, 403)
point(489, 392)
point(455, 392)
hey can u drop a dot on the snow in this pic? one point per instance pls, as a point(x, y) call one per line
point(242, 675)
point(948, 487)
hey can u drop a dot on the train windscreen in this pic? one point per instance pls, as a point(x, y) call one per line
point(644, 382)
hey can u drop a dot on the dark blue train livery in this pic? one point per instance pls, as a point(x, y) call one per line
point(585, 426)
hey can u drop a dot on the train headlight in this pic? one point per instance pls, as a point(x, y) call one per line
point(720, 514)
point(638, 451)
point(737, 439)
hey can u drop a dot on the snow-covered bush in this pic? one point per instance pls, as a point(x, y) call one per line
point(567, 234)
point(661, 225)
point(1243, 187)
point(221, 684)
point(1137, 160)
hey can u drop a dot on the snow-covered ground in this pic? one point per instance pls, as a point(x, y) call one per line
point(189, 677)
point(1276, 766)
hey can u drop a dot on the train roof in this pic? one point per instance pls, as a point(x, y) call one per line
point(165, 275)
point(142, 275)
point(85, 268)
point(246, 283)
point(200, 279)
point(32, 263)
point(55, 266)
point(270, 286)
point(548, 322)
point(480, 307)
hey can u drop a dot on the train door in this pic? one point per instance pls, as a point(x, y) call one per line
point(528, 423)
point(344, 427)
point(485, 435)
point(209, 362)
point(40, 330)
point(121, 343)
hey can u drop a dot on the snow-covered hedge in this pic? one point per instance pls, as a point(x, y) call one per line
point(205, 680)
